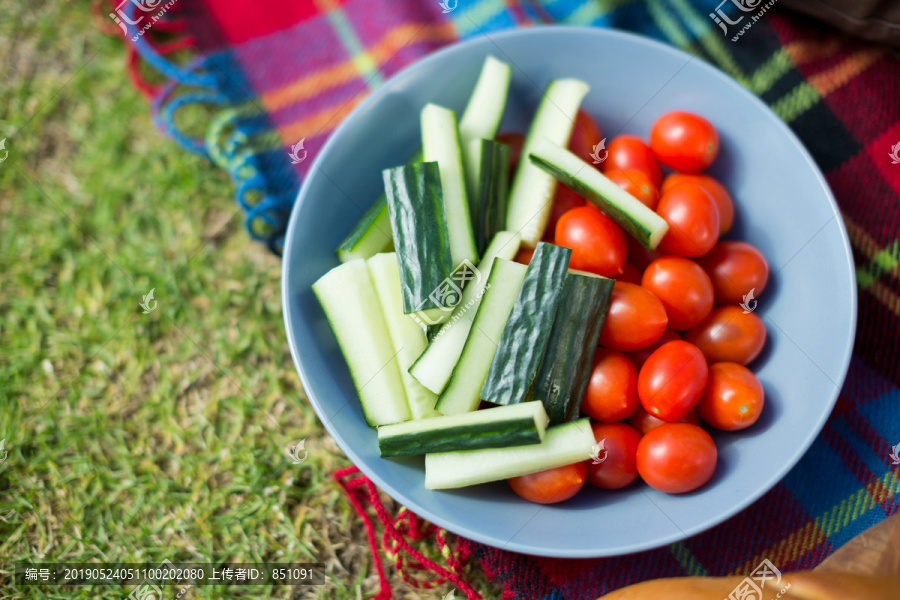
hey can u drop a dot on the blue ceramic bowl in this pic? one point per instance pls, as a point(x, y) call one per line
point(783, 207)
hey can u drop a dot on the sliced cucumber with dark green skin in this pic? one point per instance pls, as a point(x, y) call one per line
point(631, 214)
point(462, 391)
point(491, 428)
point(568, 362)
point(434, 367)
point(488, 202)
point(563, 445)
point(351, 305)
point(419, 228)
point(532, 190)
point(521, 347)
point(440, 143)
point(372, 233)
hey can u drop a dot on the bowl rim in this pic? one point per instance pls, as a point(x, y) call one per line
point(461, 529)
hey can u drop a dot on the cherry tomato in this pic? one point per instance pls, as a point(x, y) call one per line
point(564, 201)
point(638, 184)
point(683, 287)
point(611, 393)
point(550, 486)
point(635, 319)
point(585, 135)
point(733, 398)
point(729, 334)
point(644, 421)
point(718, 192)
point(617, 467)
point(684, 141)
point(672, 380)
point(524, 255)
point(676, 458)
point(735, 269)
point(515, 141)
point(693, 221)
point(630, 152)
point(630, 273)
point(638, 255)
point(639, 357)
point(597, 243)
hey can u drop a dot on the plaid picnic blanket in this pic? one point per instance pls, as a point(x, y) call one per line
point(279, 72)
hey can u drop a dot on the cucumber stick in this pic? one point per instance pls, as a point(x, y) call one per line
point(522, 344)
point(523, 424)
point(562, 445)
point(434, 367)
point(563, 376)
point(353, 311)
point(462, 393)
point(372, 233)
point(631, 214)
point(408, 339)
point(488, 201)
point(419, 228)
point(440, 143)
point(482, 116)
point(531, 194)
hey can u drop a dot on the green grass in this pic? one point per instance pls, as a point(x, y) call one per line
point(138, 437)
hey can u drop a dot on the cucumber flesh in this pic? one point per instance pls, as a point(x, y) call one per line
point(462, 393)
point(351, 305)
point(440, 143)
point(631, 214)
point(434, 367)
point(408, 339)
point(483, 114)
point(523, 424)
point(532, 190)
point(563, 445)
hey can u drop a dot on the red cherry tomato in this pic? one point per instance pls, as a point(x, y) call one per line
point(718, 192)
point(635, 319)
point(630, 273)
point(611, 393)
point(597, 243)
point(672, 380)
point(585, 135)
point(550, 486)
point(693, 221)
point(524, 255)
point(638, 255)
point(735, 268)
point(684, 141)
point(676, 458)
point(639, 357)
point(630, 152)
point(729, 334)
point(515, 141)
point(638, 184)
point(564, 201)
point(733, 398)
point(617, 466)
point(644, 421)
point(683, 287)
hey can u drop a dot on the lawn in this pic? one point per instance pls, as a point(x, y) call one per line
point(136, 437)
